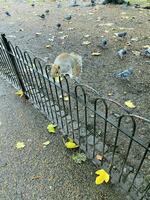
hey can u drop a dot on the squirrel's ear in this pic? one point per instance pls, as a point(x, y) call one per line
point(58, 67)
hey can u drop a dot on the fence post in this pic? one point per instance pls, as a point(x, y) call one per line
point(13, 62)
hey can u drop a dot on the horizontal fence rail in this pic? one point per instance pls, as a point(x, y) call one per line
point(99, 125)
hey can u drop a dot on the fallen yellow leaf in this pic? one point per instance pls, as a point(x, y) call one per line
point(86, 43)
point(96, 54)
point(110, 94)
point(146, 46)
point(124, 17)
point(129, 104)
point(48, 46)
point(86, 36)
point(71, 28)
point(136, 53)
point(20, 145)
point(107, 24)
point(66, 98)
point(70, 144)
point(36, 177)
point(103, 176)
point(46, 143)
point(90, 13)
point(20, 93)
point(51, 128)
point(128, 43)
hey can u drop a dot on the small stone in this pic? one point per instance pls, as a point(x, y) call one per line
point(83, 147)
point(139, 181)
point(82, 132)
point(99, 147)
point(62, 113)
point(55, 107)
point(96, 161)
point(147, 177)
point(75, 125)
point(90, 140)
point(86, 36)
point(134, 39)
point(99, 132)
point(68, 118)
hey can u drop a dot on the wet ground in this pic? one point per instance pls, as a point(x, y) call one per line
point(36, 172)
point(21, 29)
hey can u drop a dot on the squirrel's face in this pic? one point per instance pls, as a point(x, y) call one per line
point(55, 71)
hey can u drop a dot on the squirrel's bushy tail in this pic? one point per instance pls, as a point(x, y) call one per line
point(77, 58)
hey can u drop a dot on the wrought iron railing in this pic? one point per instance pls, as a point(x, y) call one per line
point(99, 125)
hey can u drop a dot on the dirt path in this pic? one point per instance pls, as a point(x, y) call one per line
point(22, 26)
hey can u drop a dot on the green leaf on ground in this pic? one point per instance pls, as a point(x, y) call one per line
point(79, 158)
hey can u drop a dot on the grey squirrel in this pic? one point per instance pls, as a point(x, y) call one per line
point(67, 64)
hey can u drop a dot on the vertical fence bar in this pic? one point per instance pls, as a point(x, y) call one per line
point(115, 144)
point(70, 108)
point(13, 62)
point(85, 111)
point(52, 95)
point(39, 82)
point(43, 81)
point(58, 101)
point(140, 165)
point(21, 62)
point(105, 123)
point(28, 64)
point(129, 147)
point(7, 67)
point(146, 190)
point(63, 101)
point(50, 102)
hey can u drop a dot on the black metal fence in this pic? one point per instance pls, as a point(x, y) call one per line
point(99, 125)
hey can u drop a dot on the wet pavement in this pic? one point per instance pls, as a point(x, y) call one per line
point(35, 172)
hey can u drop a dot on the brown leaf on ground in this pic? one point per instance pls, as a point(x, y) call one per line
point(99, 157)
point(36, 177)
